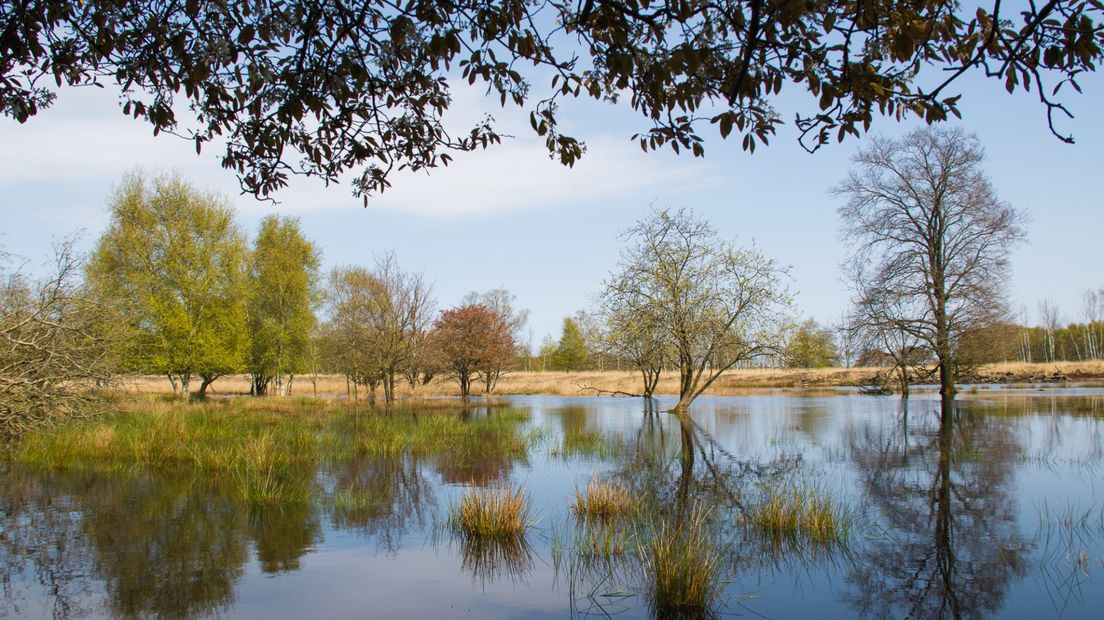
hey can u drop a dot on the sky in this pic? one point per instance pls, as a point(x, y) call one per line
point(509, 217)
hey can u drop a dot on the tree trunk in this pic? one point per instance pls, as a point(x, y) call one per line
point(206, 381)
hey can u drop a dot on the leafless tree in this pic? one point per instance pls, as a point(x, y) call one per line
point(55, 346)
point(717, 305)
point(928, 230)
point(636, 338)
point(880, 322)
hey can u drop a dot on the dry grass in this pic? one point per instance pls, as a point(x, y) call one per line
point(737, 381)
point(602, 500)
point(497, 512)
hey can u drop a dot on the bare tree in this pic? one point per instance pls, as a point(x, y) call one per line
point(55, 346)
point(717, 305)
point(880, 322)
point(400, 313)
point(636, 338)
point(927, 228)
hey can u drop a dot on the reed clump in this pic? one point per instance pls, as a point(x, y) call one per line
point(602, 500)
point(684, 567)
point(497, 512)
point(802, 512)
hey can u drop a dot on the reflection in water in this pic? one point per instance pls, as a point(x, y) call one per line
point(381, 497)
point(489, 560)
point(951, 548)
point(169, 546)
point(949, 524)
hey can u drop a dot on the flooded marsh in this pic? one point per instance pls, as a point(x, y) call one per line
point(777, 504)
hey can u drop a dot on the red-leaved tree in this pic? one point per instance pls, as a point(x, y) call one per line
point(469, 339)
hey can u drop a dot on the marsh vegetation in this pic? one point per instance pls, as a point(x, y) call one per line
point(583, 505)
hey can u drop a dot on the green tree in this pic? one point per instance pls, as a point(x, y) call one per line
point(323, 87)
point(571, 353)
point(172, 266)
point(283, 279)
point(810, 346)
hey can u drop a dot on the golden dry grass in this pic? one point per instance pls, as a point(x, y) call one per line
point(737, 381)
point(602, 500)
point(497, 512)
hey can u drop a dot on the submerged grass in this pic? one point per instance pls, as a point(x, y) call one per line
point(492, 513)
point(802, 512)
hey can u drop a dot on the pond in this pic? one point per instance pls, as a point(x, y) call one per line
point(1002, 517)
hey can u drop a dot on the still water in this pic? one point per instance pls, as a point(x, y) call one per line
point(1003, 518)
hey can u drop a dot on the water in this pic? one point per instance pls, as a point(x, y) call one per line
point(1004, 517)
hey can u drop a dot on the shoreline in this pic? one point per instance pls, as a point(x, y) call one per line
point(732, 382)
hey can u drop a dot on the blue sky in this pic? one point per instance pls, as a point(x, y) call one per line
point(509, 217)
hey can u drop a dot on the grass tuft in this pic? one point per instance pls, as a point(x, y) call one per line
point(602, 500)
point(803, 512)
point(496, 512)
point(684, 567)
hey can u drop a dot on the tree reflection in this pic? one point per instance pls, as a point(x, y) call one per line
point(383, 497)
point(952, 546)
point(166, 545)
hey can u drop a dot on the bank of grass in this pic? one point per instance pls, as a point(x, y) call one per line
point(268, 448)
point(732, 382)
point(805, 512)
point(497, 512)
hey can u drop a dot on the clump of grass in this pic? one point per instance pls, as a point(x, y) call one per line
point(803, 512)
point(602, 500)
point(684, 567)
point(497, 512)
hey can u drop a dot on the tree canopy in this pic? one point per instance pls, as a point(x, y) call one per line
point(469, 339)
point(283, 283)
point(716, 305)
point(172, 265)
point(322, 87)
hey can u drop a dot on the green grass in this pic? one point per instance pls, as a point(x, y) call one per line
point(269, 449)
point(802, 512)
point(496, 512)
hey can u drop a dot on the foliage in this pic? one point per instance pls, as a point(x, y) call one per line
point(931, 241)
point(55, 347)
point(571, 352)
point(319, 88)
point(810, 346)
point(172, 265)
point(501, 302)
point(469, 339)
point(378, 324)
point(282, 295)
point(716, 305)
